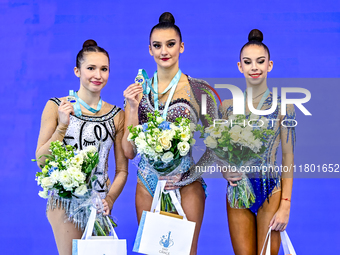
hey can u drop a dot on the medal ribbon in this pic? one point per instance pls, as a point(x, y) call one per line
point(172, 86)
point(145, 84)
point(259, 106)
point(76, 106)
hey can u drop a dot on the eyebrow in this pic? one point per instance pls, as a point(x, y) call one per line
point(95, 65)
point(257, 58)
point(171, 40)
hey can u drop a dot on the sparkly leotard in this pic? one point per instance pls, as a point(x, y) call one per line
point(83, 131)
point(188, 108)
point(265, 182)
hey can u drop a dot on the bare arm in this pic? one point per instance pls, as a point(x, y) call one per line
point(281, 218)
point(133, 95)
point(54, 123)
point(121, 162)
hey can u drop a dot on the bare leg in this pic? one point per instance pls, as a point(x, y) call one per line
point(264, 216)
point(64, 232)
point(143, 200)
point(193, 202)
point(242, 229)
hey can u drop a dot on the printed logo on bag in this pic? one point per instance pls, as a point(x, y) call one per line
point(166, 242)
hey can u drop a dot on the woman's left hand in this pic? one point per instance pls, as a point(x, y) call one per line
point(280, 219)
point(106, 207)
point(171, 181)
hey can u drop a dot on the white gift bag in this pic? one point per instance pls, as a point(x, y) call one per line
point(161, 234)
point(98, 245)
point(286, 243)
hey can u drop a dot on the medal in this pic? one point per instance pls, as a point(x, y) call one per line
point(72, 100)
point(140, 79)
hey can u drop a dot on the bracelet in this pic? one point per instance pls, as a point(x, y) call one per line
point(285, 199)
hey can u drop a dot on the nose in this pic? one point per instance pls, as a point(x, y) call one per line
point(97, 74)
point(254, 66)
point(164, 50)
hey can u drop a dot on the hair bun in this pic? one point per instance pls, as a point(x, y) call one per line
point(255, 35)
point(89, 43)
point(167, 17)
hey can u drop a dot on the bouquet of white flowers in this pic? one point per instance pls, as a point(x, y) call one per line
point(238, 144)
point(68, 173)
point(165, 145)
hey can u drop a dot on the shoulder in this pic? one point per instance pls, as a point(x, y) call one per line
point(56, 100)
point(198, 82)
point(113, 109)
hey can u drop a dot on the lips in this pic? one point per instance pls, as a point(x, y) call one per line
point(255, 75)
point(165, 59)
point(96, 82)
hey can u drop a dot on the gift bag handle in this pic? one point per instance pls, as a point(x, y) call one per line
point(268, 245)
point(156, 202)
point(90, 224)
point(286, 243)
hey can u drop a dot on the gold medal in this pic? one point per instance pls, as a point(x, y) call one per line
point(72, 100)
point(139, 79)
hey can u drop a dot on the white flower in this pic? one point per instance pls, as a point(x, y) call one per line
point(235, 133)
point(235, 129)
point(46, 183)
point(54, 176)
point(129, 138)
point(79, 177)
point(140, 143)
point(91, 149)
point(54, 164)
point(64, 177)
point(247, 135)
point(209, 129)
point(193, 141)
point(78, 160)
point(43, 193)
point(167, 157)
point(185, 136)
point(165, 142)
point(80, 191)
point(141, 135)
point(216, 134)
point(69, 186)
point(225, 149)
point(168, 133)
point(210, 142)
point(149, 151)
point(173, 127)
point(192, 127)
point(183, 148)
point(159, 120)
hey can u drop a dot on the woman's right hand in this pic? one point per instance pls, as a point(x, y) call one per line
point(64, 111)
point(232, 177)
point(132, 94)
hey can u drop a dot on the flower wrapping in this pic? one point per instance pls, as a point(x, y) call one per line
point(164, 147)
point(237, 145)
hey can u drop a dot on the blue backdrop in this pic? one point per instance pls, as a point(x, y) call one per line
point(39, 42)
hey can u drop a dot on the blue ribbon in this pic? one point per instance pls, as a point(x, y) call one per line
point(147, 87)
point(76, 106)
point(259, 106)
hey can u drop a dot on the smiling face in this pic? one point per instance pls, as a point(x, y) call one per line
point(165, 46)
point(93, 72)
point(255, 64)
